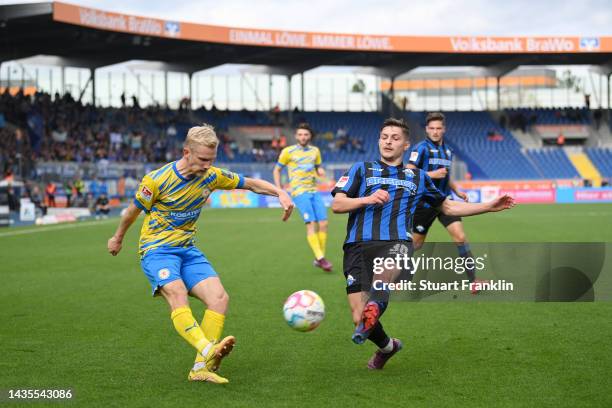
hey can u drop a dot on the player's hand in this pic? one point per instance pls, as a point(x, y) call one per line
point(287, 204)
point(440, 173)
point(501, 203)
point(379, 197)
point(462, 196)
point(114, 246)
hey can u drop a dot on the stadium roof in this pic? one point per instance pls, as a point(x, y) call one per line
point(86, 37)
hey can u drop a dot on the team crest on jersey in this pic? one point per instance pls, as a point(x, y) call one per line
point(414, 156)
point(146, 194)
point(206, 193)
point(342, 182)
point(163, 273)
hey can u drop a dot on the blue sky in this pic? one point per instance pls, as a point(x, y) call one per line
point(433, 17)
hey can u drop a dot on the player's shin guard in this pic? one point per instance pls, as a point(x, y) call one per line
point(313, 241)
point(465, 252)
point(212, 326)
point(188, 328)
point(378, 336)
point(322, 241)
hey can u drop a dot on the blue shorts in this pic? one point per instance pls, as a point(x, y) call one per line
point(311, 207)
point(166, 264)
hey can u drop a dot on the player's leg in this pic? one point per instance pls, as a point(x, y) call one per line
point(320, 213)
point(454, 226)
point(211, 292)
point(418, 240)
point(304, 206)
point(162, 268)
point(185, 324)
point(421, 222)
point(387, 346)
point(203, 283)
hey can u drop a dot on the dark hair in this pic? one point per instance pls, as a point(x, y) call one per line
point(305, 126)
point(400, 123)
point(435, 116)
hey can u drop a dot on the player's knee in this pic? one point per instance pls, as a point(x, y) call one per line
point(323, 226)
point(459, 237)
point(219, 302)
point(176, 297)
point(417, 244)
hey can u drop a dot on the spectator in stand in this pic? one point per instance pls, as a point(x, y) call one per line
point(597, 116)
point(37, 199)
point(560, 139)
point(102, 207)
point(50, 191)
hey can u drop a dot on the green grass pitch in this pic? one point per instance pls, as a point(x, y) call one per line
point(73, 316)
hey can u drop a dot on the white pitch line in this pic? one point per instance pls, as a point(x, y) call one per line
point(55, 228)
point(204, 221)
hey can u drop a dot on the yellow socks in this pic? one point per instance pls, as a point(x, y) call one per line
point(322, 241)
point(188, 328)
point(212, 326)
point(313, 241)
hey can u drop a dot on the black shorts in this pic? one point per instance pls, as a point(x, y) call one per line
point(425, 216)
point(359, 262)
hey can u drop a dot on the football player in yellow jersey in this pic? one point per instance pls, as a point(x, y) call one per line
point(172, 198)
point(303, 163)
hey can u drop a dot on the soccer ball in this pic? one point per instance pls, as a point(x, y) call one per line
point(304, 310)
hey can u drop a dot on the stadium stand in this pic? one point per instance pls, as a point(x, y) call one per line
point(46, 128)
point(602, 158)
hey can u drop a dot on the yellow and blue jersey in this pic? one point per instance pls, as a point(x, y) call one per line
point(172, 204)
point(301, 163)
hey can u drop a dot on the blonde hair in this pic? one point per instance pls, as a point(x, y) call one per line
point(203, 135)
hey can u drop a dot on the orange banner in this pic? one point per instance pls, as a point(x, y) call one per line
point(94, 18)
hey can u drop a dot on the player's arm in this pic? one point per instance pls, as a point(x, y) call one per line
point(283, 160)
point(343, 204)
point(416, 160)
point(456, 190)
point(461, 209)
point(276, 173)
point(263, 187)
point(318, 162)
point(435, 174)
point(128, 218)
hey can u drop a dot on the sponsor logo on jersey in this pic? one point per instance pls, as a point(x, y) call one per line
point(408, 185)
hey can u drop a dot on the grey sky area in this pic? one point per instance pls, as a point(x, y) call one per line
point(435, 17)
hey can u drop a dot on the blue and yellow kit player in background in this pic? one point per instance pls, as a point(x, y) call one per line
point(172, 198)
point(303, 162)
